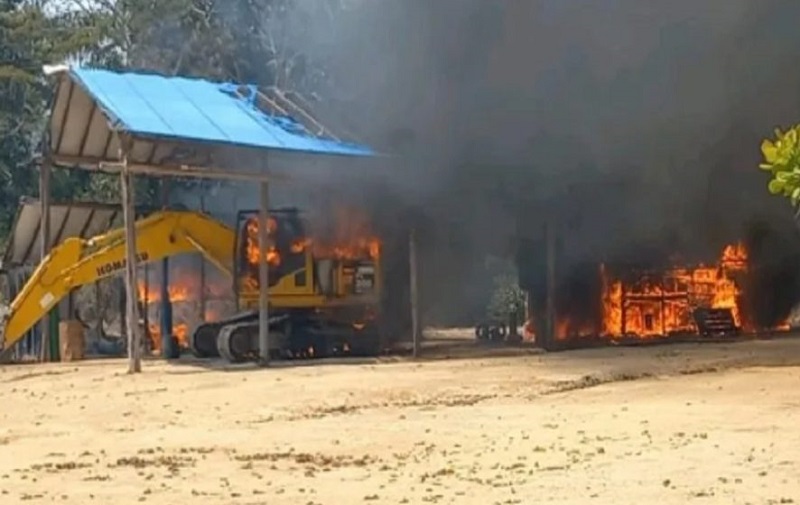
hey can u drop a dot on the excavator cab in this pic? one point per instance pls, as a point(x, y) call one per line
point(287, 254)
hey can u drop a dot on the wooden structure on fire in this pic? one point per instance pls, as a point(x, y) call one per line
point(136, 123)
point(672, 301)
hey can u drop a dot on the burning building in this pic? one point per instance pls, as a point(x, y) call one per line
point(671, 299)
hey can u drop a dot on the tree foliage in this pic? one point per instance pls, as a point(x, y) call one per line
point(782, 160)
point(506, 296)
point(258, 41)
point(29, 38)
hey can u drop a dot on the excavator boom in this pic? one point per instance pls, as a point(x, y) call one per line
point(77, 262)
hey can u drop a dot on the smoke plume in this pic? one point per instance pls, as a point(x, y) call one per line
point(636, 125)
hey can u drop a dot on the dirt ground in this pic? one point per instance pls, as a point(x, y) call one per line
point(713, 424)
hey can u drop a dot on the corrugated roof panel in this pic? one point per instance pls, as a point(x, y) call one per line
point(193, 109)
point(82, 220)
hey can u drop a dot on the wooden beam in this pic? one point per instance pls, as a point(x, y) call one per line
point(45, 171)
point(165, 170)
point(61, 129)
point(70, 298)
point(131, 298)
point(312, 121)
point(416, 331)
point(191, 171)
point(263, 276)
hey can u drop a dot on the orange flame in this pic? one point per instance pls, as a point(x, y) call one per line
point(253, 242)
point(651, 308)
point(180, 331)
point(185, 287)
point(351, 237)
point(300, 245)
point(662, 304)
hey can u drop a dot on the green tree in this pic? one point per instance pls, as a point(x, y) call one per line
point(259, 41)
point(30, 37)
point(506, 297)
point(782, 160)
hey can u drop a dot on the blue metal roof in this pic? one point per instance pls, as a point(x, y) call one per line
point(180, 108)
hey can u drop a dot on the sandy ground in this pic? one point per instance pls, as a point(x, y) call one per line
point(714, 424)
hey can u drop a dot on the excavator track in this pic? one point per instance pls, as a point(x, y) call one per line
point(203, 341)
point(292, 336)
point(238, 342)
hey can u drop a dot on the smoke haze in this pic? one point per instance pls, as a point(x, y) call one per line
point(636, 124)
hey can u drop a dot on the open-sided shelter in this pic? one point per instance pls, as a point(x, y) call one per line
point(138, 123)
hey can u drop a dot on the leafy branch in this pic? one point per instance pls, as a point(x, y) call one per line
point(782, 160)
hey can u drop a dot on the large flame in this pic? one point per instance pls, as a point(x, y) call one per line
point(662, 303)
point(351, 237)
point(253, 242)
point(185, 287)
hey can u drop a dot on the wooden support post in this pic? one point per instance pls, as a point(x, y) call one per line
point(100, 307)
point(146, 302)
point(119, 283)
point(202, 294)
point(416, 331)
point(45, 170)
point(132, 319)
point(530, 323)
point(623, 308)
point(550, 230)
point(263, 276)
point(168, 349)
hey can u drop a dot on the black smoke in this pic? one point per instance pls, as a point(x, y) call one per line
point(634, 125)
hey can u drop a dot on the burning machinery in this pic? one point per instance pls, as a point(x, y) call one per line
point(322, 298)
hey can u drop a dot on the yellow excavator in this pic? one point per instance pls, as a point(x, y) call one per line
point(319, 303)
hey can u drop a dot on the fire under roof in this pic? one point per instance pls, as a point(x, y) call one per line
point(186, 125)
point(67, 220)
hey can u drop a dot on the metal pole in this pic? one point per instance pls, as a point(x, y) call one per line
point(414, 292)
point(45, 170)
point(132, 319)
point(263, 276)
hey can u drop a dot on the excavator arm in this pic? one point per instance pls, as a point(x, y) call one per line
point(77, 262)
